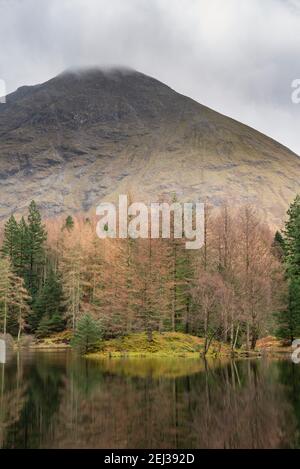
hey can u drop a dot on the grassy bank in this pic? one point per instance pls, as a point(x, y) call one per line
point(166, 344)
point(57, 341)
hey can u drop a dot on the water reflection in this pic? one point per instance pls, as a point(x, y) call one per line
point(57, 400)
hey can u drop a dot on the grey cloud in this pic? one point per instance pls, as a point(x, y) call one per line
point(238, 56)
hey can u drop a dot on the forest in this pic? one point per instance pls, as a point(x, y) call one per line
point(242, 285)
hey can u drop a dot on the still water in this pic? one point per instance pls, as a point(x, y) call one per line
point(58, 400)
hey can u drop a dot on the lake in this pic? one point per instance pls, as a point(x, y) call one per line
point(59, 400)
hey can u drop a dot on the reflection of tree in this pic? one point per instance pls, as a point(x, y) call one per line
point(68, 402)
point(118, 413)
point(236, 406)
point(11, 402)
point(289, 376)
point(43, 378)
point(243, 407)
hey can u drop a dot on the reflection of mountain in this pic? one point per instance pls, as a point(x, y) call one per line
point(84, 136)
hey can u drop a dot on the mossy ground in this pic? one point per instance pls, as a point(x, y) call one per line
point(164, 344)
point(59, 340)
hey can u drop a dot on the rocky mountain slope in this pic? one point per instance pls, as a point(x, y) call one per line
point(88, 135)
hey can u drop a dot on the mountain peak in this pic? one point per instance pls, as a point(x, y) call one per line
point(108, 70)
point(95, 73)
point(91, 133)
point(84, 96)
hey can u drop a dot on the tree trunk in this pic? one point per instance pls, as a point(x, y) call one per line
point(5, 317)
point(248, 336)
point(149, 335)
point(236, 336)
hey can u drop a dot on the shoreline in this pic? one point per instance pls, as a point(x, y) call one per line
point(163, 345)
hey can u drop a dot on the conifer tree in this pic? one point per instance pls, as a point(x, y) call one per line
point(180, 266)
point(292, 239)
point(87, 334)
point(35, 249)
point(49, 305)
point(279, 245)
point(24, 245)
point(147, 295)
point(21, 263)
point(69, 224)
point(10, 241)
point(289, 319)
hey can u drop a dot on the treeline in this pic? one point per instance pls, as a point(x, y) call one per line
point(54, 273)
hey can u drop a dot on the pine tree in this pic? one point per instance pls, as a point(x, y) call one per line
point(35, 250)
point(147, 296)
point(10, 241)
point(87, 334)
point(24, 246)
point(48, 305)
point(69, 224)
point(279, 245)
point(21, 263)
point(294, 308)
point(292, 239)
point(289, 320)
point(49, 325)
point(180, 271)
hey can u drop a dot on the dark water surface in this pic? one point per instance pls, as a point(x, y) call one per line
point(58, 400)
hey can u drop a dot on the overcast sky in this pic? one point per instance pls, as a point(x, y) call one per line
point(236, 56)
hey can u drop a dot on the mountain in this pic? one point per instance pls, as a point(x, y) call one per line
point(90, 134)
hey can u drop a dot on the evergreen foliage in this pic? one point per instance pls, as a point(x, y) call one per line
point(69, 224)
point(34, 249)
point(10, 242)
point(87, 335)
point(48, 307)
point(289, 319)
point(279, 245)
